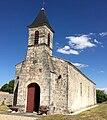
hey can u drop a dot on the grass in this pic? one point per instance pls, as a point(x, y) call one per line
point(98, 113)
point(3, 108)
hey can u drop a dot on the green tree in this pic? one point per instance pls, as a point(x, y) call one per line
point(8, 87)
point(5, 88)
point(101, 96)
point(11, 86)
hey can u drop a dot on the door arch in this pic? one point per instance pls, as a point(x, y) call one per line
point(33, 97)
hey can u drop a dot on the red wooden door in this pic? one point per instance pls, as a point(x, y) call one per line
point(30, 99)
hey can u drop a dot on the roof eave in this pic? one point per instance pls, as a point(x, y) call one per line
point(33, 26)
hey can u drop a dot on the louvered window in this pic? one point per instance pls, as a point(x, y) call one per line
point(49, 39)
point(36, 37)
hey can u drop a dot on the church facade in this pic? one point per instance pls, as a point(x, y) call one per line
point(45, 80)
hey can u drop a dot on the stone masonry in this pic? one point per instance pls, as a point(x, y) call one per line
point(6, 98)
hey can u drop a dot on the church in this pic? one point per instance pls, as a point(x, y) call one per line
point(45, 80)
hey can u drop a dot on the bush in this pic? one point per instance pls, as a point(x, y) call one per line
point(101, 96)
point(8, 87)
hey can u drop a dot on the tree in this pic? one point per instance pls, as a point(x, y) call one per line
point(11, 86)
point(5, 88)
point(101, 96)
point(8, 87)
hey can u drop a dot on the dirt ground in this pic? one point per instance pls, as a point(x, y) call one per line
point(13, 117)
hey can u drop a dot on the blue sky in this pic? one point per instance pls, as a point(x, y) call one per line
point(80, 34)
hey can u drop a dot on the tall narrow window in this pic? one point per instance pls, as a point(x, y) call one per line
point(88, 91)
point(80, 89)
point(36, 38)
point(48, 39)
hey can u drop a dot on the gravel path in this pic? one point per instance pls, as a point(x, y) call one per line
point(13, 117)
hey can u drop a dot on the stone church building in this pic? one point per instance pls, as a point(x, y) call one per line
point(45, 80)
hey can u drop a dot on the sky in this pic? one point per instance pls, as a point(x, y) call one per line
point(80, 34)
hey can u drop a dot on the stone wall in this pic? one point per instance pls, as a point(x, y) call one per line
point(35, 69)
point(43, 33)
point(60, 96)
point(6, 98)
point(72, 90)
point(81, 90)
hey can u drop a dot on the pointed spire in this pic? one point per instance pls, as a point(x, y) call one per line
point(41, 20)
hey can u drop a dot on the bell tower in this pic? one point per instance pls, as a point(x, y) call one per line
point(40, 32)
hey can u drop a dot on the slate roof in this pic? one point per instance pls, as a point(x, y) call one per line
point(41, 20)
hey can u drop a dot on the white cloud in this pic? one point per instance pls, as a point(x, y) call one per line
point(96, 41)
point(77, 43)
point(101, 71)
point(105, 89)
point(79, 65)
point(80, 42)
point(56, 43)
point(67, 50)
point(91, 33)
point(103, 34)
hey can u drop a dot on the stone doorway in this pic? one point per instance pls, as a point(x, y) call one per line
point(33, 98)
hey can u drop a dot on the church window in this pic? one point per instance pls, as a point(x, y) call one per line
point(88, 91)
point(17, 77)
point(59, 77)
point(36, 38)
point(94, 93)
point(81, 89)
point(48, 39)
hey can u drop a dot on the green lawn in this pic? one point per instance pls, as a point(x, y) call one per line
point(97, 113)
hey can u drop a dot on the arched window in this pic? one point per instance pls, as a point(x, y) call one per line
point(36, 37)
point(48, 39)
